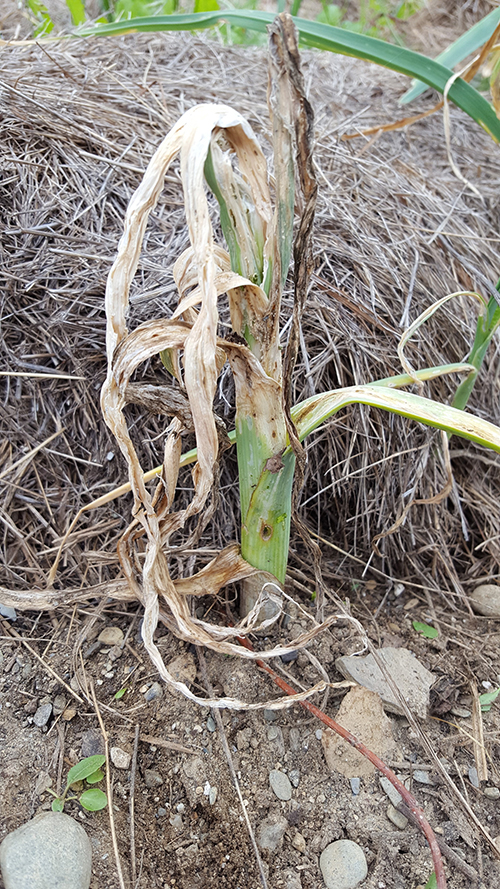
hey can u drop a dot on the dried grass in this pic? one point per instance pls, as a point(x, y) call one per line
point(395, 231)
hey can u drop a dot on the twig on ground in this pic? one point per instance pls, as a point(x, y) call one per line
point(478, 732)
point(133, 866)
point(225, 747)
point(446, 850)
point(109, 788)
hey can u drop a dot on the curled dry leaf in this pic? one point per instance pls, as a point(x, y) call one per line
point(191, 349)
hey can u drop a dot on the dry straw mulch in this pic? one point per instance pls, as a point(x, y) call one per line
point(395, 231)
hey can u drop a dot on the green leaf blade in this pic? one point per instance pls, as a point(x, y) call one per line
point(85, 767)
point(95, 777)
point(487, 699)
point(57, 805)
point(332, 39)
point(468, 43)
point(93, 800)
point(425, 630)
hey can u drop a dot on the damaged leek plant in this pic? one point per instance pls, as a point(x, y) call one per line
point(218, 150)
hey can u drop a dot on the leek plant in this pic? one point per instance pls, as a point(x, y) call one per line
point(218, 150)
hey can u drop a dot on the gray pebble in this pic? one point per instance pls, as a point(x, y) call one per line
point(280, 784)
point(161, 812)
point(388, 788)
point(271, 715)
point(355, 785)
point(421, 777)
point(396, 817)
point(272, 733)
point(473, 776)
point(271, 832)
point(486, 599)
point(492, 792)
point(212, 795)
point(460, 711)
point(211, 726)
point(152, 779)
point(294, 776)
point(176, 822)
point(294, 739)
point(59, 704)
point(88, 652)
point(49, 851)
point(154, 692)
point(42, 715)
point(120, 758)
point(92, 742)
point(343, 865)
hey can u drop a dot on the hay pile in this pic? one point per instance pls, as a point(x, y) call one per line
point(395, 231)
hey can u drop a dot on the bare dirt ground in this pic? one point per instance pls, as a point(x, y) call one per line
point(395, 230)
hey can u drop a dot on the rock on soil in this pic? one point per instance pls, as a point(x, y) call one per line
point(486, 600)
point(411, 677)
point(271, 832)
point(280, 784)
point(361, 712)
point(343, 865)
point(51, 850)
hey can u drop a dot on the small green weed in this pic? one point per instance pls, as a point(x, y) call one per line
point(487, 699)
point(425, 630)
point(89, 770)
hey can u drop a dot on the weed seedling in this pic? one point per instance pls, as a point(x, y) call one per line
point(89, 770)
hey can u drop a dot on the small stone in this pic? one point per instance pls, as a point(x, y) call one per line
point(280, 784)
point(291, 656)
point(299, 843)
point(492, 792)
point(69, 714)
point(421, 777)
point(294, 776)
point(87, 653)
point(152, 779)
point(161, 812)
point(462, 712)
point(59, 705)
point(272, 733)
point(412, 678)
point(473, 776)
point(42, 715)
point(154, 692)
point(111, 636)
point(271, 831)
point(343, 865)
point(396, 817)
point(294, 738)
point(271, 715)
point(50, 850)
point(388, 788)
point(120, 758)
point(92, 743)
point(486, 600)
point(355, 786)
point(211, 726)
point(176, 822)
point(212, 796)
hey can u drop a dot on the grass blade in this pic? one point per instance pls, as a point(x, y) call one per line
point(468, 43)
point(327, 37)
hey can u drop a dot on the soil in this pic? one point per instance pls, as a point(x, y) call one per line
point(186, 839)
point(190, 832)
